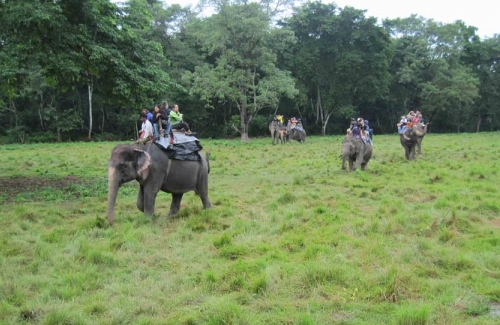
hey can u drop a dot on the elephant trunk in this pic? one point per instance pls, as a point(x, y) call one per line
point(345, 154)
point(113, 185)
point(421, 132)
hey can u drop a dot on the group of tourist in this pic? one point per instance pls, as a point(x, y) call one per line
point(164, 119)
point(294, 123)
point(407, 121)
point(161, 122)
point(360, 129)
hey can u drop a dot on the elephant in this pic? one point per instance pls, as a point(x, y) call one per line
point(356, 152)
point(283, 135)
point(274, 128)
point(151, 167)
point(296, 134)
point(411, 139)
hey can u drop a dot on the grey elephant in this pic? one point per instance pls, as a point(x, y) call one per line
point(356, 152)
point(411, 139)
point(274, 128)
point(152, 168)
point(296, 133)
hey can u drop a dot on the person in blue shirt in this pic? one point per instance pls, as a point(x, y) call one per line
point(149, 115)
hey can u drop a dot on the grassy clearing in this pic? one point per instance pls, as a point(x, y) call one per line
point(291, 239)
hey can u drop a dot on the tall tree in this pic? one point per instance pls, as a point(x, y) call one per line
point(484, 59)
point(428, 73)
point(341, 59)
point(241, 44)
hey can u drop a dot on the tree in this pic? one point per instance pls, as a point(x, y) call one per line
point(484, 59)
point(428, 73)
point(241, 46)
point(341, 59)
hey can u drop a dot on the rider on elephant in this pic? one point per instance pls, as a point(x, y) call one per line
point(146, 132)
point(359, 131)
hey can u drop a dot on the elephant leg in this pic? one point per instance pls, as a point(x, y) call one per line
point(363, 165)
point(202, 192)
point(359, 159)
point(206, 202)
point(175, 206)
point(344, 157)
point(149, 201)
point(407, 152)
point(351, 164)
point(140, 199)
point(412, 152)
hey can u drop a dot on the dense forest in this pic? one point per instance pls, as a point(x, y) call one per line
point(83, 69)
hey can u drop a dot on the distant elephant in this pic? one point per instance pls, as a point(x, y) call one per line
point(154, 171)
point(411, 139)
point(274, 128)
point(295, 133)
point(283, 135)
point(356, 153)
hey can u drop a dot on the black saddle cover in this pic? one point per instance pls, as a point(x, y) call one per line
point(183, 147)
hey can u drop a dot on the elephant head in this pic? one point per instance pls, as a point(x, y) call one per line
point(411, 138)
point(126, 164)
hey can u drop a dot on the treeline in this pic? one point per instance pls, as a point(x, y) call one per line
point(83, 69)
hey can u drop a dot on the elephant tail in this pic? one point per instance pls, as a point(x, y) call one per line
point(207, 157)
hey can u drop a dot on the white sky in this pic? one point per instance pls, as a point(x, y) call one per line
point(483, 14)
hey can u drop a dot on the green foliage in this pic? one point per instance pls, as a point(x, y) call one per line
point(341, 59)
point(75, 70)
point(243, 67)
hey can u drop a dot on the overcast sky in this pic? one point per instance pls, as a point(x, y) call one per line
point(483, 14)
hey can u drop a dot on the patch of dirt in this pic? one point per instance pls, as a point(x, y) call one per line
point(10, 187)
point(495, 310)
point(496, 222)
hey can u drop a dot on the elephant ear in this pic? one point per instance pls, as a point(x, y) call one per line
point(143, 162)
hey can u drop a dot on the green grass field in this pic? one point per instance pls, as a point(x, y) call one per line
point(291, 238)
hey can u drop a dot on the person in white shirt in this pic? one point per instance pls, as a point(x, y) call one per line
point(146, 132)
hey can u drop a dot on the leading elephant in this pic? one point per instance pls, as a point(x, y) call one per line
point(356, 152)
point(411, 139)
point(154, 171)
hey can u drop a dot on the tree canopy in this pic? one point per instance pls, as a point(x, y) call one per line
point(84, 69)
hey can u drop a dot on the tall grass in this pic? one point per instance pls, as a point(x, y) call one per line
point(291, 238)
